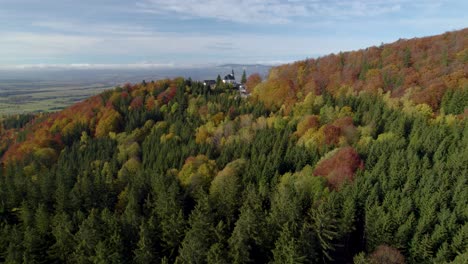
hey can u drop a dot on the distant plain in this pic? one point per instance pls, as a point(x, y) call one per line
point(43, 96)
point(47, 90)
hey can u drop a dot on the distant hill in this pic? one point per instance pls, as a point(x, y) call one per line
point(237, 65)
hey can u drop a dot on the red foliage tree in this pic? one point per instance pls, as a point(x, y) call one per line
point(432, 95)
point(340, 167)
point(136, 103)
point(167, 95)
point(332, 134)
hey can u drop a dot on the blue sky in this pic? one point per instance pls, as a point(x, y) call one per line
point(153, 33)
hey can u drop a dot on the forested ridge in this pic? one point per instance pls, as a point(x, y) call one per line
point(357, 157)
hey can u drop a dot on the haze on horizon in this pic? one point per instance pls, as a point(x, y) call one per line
point(167, 33)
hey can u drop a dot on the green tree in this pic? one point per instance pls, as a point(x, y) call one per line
point(244, 77)
point(247, 237)
point(225, 189)
point(62, 231)
point(218, 252)
point(109, 250)
point(169, 213)
point(199, 237)
point(34, 247)
point(144, 253)
point(15, 249)
point(89, 234)
point(407, 58)
point(324, 225)
point(287, 248)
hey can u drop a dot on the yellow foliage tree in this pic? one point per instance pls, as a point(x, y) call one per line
point(109, 122)
point(197, 172)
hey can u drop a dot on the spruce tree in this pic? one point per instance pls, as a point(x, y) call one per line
point(218, 81)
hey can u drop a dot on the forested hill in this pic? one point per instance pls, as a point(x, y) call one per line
point(422, 70)
point(359, 157)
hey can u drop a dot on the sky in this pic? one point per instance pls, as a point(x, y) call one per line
point(162, 33)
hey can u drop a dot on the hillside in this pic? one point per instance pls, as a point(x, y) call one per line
point(421, 69)
point(359, 157)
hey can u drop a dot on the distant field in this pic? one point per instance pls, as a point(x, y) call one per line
point(23, 91)
point(23, 96)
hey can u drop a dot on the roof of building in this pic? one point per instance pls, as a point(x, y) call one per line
point(229, 77)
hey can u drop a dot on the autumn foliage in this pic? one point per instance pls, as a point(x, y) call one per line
point(197, 171)
point(386, 254)
point(339, 167)
point(98, 115)
point(421, 68)
point(109, 122)
point(253, 81)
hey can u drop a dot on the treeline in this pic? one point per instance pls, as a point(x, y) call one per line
point(175, 172)
point(16, 121)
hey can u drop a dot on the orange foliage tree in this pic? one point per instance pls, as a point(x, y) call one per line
point(252, 81)
point(340, 167)
point(386, 254)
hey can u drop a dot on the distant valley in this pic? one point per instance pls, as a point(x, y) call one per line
point(52, 89)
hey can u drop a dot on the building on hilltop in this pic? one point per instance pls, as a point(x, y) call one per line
point(229, 79)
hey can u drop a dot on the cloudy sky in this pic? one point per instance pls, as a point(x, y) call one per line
point(188, 32)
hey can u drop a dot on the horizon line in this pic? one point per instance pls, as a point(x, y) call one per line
point(130, 66)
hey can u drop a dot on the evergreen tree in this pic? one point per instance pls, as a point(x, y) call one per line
point(244, 77)
point(169, 213)
point(15, 249)
point(247, 235)
point(62, 231)
point(144, 253)
point(325, 229)
point(199, 237)
point(287, 249)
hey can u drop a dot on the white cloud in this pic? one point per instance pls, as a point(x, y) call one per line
point(441, 24)
point(86, 66)
point(27, 44)
point(268, 11)
point(93, 29)
point(165, 48)
point(111, 31)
